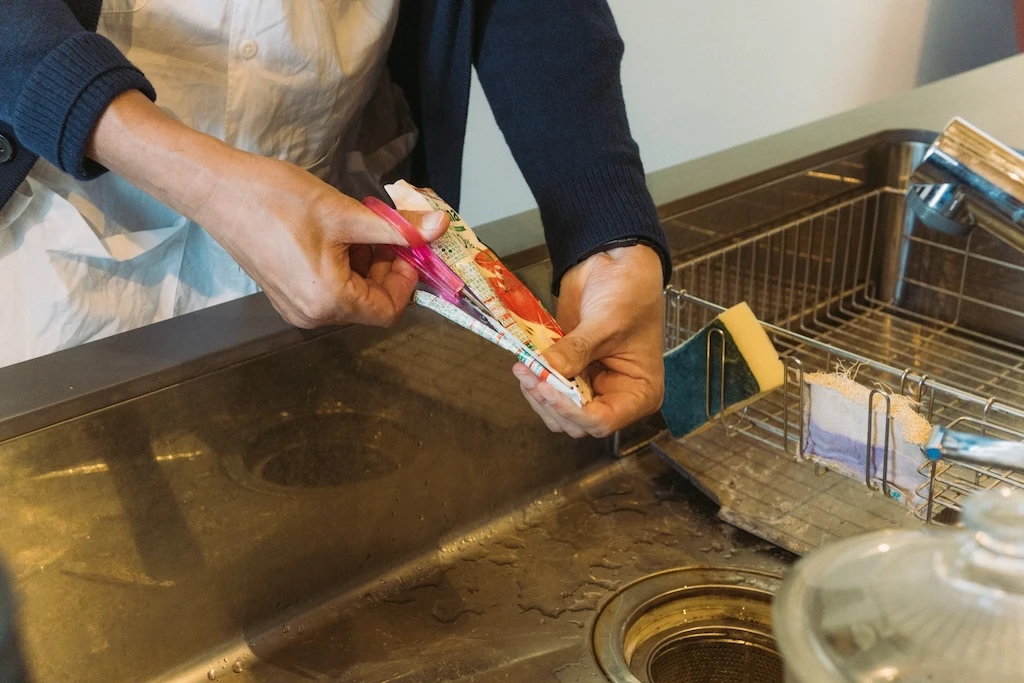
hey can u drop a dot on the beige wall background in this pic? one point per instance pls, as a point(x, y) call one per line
point(700, 76)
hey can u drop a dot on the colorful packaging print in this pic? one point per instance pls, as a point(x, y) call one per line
point(505, 297)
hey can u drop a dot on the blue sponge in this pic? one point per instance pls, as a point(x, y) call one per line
point(752, 368)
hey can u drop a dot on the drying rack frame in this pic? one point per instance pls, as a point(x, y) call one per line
point(834, 289)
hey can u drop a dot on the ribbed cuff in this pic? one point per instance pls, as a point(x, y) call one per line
point(582, 212)
point(65, 95)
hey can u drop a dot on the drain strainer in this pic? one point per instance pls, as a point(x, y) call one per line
point(697, 624)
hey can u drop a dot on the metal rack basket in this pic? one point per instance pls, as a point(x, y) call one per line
point(934, 317)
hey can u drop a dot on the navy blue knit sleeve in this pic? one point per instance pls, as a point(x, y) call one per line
point(57, 78)
point(551, 73)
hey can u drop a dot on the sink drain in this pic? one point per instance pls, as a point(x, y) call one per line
point(320, 451)
point(323, 450)
point(716, 654)
point(697, 624)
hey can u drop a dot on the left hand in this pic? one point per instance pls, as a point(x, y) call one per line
point(612, 308)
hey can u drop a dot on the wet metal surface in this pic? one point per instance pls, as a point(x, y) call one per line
point(777, 497)
point(515, 600)
point(144, 535)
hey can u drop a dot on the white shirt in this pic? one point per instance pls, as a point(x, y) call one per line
point(289, 79)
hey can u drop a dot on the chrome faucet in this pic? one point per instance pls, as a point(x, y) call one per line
point(966, 180)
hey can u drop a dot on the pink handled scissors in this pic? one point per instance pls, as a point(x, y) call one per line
point(433, 271)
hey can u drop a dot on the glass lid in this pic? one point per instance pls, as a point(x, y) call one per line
point(926, 605)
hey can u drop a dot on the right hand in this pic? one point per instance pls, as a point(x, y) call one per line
point(612, 309)
point(310, 247)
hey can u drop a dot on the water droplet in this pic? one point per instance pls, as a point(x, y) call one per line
point(237, 667)
point(212, 674)
point(286, 627)
point(567, 669)
point(622, 489)
point(548, 611)
point(605, 563)
point(512, 542)
point(607, 584)
point(502, 559)
point(447, 611)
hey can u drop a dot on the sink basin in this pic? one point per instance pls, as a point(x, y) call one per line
point(350, 508)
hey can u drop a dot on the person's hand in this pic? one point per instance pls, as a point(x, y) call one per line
point(612, 309)
point(307, 245)
point(310, 247)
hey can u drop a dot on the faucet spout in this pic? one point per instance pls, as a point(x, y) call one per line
point(968, 179)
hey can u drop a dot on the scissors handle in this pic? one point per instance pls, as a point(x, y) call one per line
point(433, 271)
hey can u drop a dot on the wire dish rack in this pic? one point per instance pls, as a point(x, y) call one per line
point(861, 284)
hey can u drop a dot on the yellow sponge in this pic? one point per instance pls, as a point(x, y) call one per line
point(752, 368)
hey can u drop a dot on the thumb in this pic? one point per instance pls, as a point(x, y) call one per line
point(571, 354)
point(429, 224)
point(365, 226)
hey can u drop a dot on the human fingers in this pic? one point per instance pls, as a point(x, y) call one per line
point(575, 351)
point(361, 256)
point(349, 222)
point(543, 413)
point(379, 298)
point(542, 402)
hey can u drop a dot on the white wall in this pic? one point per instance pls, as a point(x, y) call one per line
point(700, 76)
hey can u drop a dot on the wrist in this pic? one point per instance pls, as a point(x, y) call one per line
point(636, 253)
point(637, 244)
point(620, 243)
point(642, 262)
point(633, 271)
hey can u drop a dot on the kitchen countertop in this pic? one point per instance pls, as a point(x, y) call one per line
point(56, 387)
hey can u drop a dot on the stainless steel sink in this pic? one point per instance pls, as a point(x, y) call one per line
point(351, 509)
